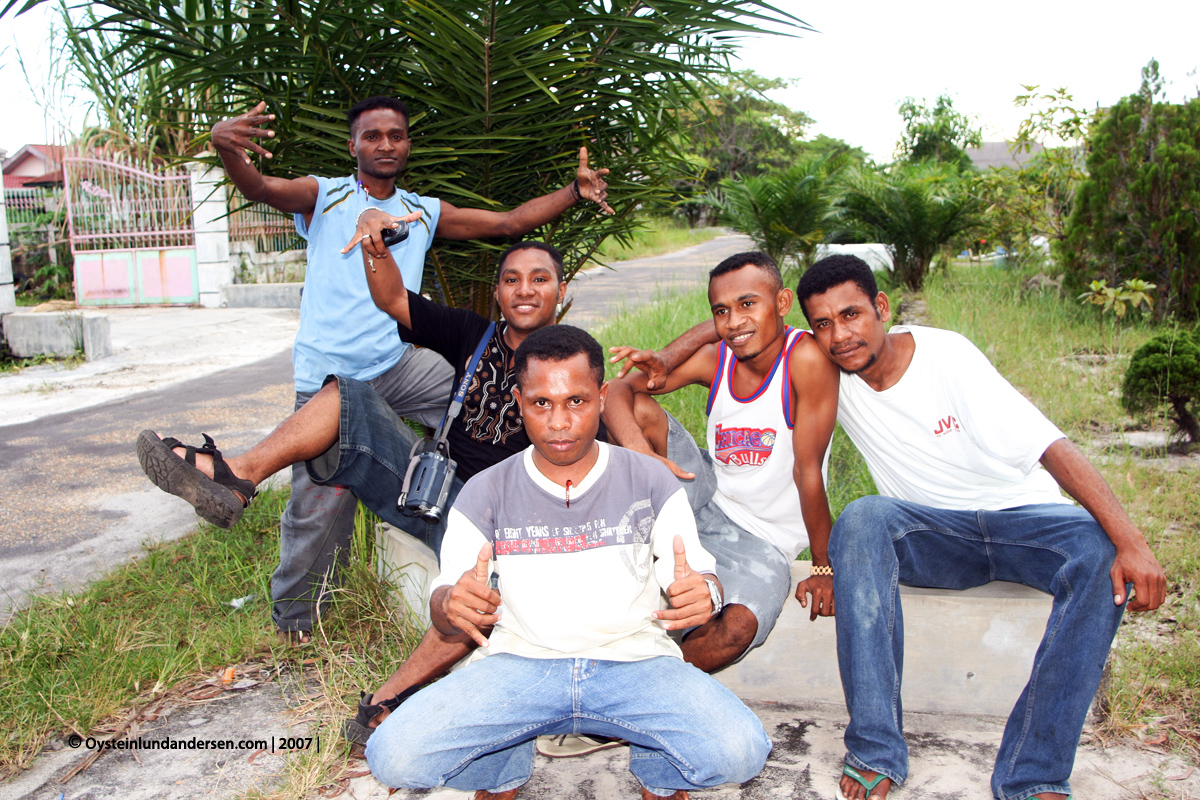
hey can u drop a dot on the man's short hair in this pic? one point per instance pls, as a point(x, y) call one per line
point(752, 258)
point(833, 271)
point(372, 103)
point(548, 249)
point(559, 343)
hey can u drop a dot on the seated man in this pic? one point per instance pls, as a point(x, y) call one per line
point(570, 518)
point(758, 491)
point(954, 450)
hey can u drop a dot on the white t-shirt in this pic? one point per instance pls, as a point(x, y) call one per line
point(577, 581)
point(952, 433)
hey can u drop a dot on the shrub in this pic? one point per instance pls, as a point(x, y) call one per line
point(1166, 371)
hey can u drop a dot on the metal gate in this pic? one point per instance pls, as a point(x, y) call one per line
point(132, 235)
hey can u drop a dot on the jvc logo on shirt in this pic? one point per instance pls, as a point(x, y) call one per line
point(744, 447)
point(946, 425)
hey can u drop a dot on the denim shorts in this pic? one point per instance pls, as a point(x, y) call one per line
point(371, 457)
point(753, 572)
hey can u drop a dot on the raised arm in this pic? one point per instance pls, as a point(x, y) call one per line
point(233, 137)
point(383, 273)
point(657, 364)
point(476, 223)
point(619, 403)
point(815, 380)
point(1135, 562)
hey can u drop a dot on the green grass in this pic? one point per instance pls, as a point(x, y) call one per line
point(11, 366)
point(660, 235)
point(69, 662)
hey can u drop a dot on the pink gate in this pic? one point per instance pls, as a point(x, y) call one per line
point(132, 235)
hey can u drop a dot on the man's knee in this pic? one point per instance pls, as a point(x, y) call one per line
point(863, 525)
point(652, 419)
point(397, 759)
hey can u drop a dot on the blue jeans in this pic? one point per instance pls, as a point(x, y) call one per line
point(879, 543)
point(371, 457)
point(475, 728)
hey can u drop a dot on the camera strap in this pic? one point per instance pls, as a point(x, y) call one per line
point(456, 403)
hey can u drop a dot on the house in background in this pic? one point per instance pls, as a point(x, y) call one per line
point(994, 155)
point(34, 165)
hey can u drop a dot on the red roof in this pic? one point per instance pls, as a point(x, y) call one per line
point(51, 154)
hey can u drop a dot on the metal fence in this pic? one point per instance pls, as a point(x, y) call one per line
point(117, 206)
point(268, 229)
point(25, 206)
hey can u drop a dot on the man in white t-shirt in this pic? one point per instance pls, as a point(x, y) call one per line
point(570, 517)
point(969, 474)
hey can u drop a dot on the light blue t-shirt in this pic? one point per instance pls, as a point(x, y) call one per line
point(342, 331)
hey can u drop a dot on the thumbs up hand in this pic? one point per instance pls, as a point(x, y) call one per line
point(471, 604)
point(691, 603)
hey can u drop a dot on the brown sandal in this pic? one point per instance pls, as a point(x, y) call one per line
point(213, 498)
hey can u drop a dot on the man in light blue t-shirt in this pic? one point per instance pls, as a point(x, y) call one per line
point(342, 332)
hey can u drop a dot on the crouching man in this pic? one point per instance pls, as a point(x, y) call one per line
point(570, 518)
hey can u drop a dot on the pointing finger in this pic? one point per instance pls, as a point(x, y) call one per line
point(583, 158)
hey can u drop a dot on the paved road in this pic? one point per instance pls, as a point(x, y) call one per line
point(74, 500)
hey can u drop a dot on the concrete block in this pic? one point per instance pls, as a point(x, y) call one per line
point(261, 295)
point(212, 247)
point(964, 652)
point(58, 333)
point(409, 564)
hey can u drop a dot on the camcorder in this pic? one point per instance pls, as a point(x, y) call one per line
point(427, 481)
point(396, 235)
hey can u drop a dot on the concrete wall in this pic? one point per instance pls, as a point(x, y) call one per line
point(261, 295)
point(212, 233)
point(8, 301)
point(58, 333)
point(965, 652)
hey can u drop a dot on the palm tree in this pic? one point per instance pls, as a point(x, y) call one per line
point(502, 93)
point(914, 209)
point(786, 213)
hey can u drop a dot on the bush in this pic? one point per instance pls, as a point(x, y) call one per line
point(1134, 215)
point(1166, 371)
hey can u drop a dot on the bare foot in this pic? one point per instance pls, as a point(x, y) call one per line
point(484, 794)
point(679, 795)
point(853, 790)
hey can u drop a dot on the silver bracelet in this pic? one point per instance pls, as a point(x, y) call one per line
point(365, 210)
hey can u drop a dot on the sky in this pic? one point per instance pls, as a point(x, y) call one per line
point(863, 60)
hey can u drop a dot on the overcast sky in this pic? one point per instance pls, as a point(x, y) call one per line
point(865, 58)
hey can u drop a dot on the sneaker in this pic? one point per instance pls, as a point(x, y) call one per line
point(571, 745)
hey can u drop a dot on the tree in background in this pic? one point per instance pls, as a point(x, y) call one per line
point(786, 212)
point(1037, 198)
point(502, 94)
point(912, 208)
point(940, 133)
point(1135, 214)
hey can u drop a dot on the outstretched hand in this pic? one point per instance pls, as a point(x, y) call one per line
point(591, 183)
point(369, 233)
point(471, 604)
point(650, 362)
point(237, 134)
point(821, 589)
point(691, 603)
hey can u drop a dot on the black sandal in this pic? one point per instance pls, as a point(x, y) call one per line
point(359, 730)
point(213, 498)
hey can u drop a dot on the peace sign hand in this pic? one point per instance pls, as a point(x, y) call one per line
point(237, 134)
point(691, 604)
point(591, 183)
point(471, 604)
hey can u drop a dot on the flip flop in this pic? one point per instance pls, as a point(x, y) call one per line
point(869, 785)
point(213, 498)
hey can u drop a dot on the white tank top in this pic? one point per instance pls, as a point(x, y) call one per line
point(750, 441)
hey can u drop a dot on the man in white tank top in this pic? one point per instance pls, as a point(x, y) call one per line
point(969, 473)
point(758, 492)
